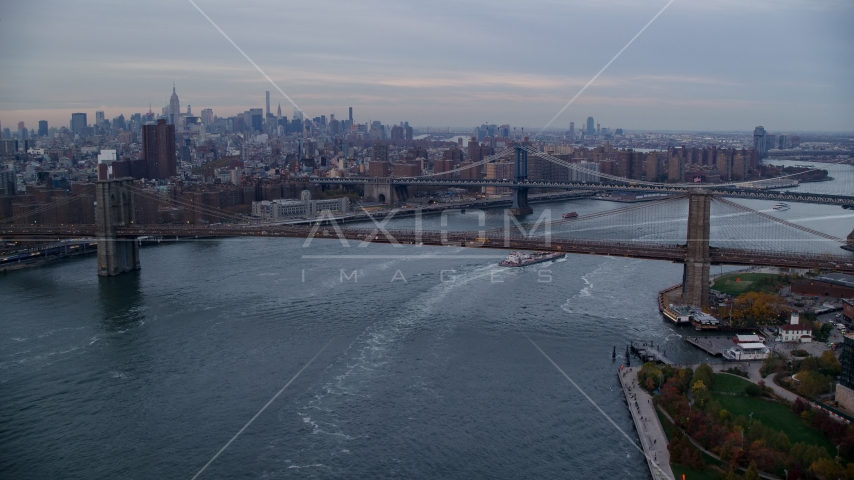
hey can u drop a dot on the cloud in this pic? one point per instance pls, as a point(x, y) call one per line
point(780, 61)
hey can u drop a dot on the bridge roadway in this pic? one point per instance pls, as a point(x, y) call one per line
point(672, 253)
point(779, 196)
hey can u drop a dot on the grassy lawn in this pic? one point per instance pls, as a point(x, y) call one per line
point(729, 383)
point(776, 416)
point(747, 282)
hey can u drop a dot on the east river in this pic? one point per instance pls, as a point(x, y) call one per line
point(427, 374)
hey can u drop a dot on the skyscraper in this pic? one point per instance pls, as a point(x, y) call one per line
point(759, 141)
point(253, 119)
point(591, 126)
point(174, 106)
point(158, 149)
point(42, 128)
point(572, 130)
point(267, 112)
point(351, 115)
point(207, 116)
point(78, 122)
point(99, 117)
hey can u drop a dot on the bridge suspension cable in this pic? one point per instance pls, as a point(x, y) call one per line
point(204, 209)
point(736, 227)
point(53, 205)
point(779, 220)
point(653, 223)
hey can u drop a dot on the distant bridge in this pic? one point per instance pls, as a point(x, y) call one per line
point(780, 196)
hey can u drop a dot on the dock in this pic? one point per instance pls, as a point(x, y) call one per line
point(648, 353)
point(714, 346)
point(653, 441)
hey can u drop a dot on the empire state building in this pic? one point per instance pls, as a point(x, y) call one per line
point(174, 107)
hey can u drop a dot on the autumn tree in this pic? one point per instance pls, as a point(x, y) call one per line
point(828, 364)
point(760, 307)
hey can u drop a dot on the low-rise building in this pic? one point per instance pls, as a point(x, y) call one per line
point(848, 309)
point(747, 339)
point(273, 210)
point(794, 331)
point(747, 351)
point(826, 285)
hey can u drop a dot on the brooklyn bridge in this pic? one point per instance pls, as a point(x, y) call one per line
point(697, 226)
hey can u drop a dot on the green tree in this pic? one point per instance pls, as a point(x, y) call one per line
point(701, 393)
point(812, 383)
point(828, 362)
point(776, 362)
point(752, 472)
point(703, 374)
point(650, 376)
point(808, 364)
point(752, 390)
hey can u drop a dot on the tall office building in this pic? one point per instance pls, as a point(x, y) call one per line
point(99, 117)
point(8, 182)
point(207, 116)
point(267, 112)
point(591, 126)
point(22, 131)
point(174, 107)
point(759, 141)
point(845, 387)
point(42, 128)
point(351, 115)
point(158, 149)
point(254, 120)
point(572, 130)
point(78, 122)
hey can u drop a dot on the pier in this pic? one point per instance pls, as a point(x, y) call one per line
point(714, 346)
point(648, 353)
point(653, 441)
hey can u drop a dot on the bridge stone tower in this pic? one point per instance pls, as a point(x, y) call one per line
point(383, 190)
point(114, 208)
point(695, 276)
point(520, 194)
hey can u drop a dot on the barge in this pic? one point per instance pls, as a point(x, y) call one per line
point(523, 259)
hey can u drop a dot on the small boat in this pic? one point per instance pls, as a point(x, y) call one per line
point(781, 206)
point(523, 259)
point(570, 215)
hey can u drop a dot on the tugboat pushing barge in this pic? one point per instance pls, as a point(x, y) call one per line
point(523, 259)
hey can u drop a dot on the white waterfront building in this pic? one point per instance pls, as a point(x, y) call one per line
point(747, 351)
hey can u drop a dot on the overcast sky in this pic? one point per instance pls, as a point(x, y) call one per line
point(702, 65)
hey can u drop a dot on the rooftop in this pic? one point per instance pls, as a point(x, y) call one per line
point(790, 327)
point(836, 279)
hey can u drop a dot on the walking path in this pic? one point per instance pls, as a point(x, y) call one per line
point(752, 370)
point(711, 454)
point(651, 434)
